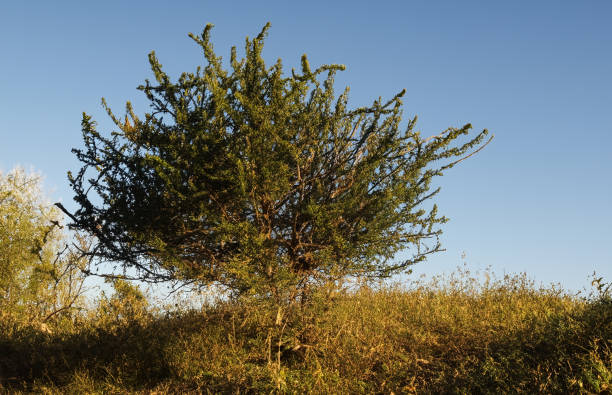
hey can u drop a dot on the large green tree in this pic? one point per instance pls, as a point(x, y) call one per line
point(258, 181)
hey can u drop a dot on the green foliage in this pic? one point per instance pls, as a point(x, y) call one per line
point(447, 335)
point(260, 182)
point(128, 303)
point(39, 277)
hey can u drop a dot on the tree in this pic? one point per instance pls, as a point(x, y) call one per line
point(39, 275)
point(258, 181)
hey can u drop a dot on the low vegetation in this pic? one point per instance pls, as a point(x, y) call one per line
point(459, 334)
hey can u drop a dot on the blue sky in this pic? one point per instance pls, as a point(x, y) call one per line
point(536, 74)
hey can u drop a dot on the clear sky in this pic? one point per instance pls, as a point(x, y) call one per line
point(537, 74)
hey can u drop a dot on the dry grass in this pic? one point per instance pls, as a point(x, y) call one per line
point(453, 335)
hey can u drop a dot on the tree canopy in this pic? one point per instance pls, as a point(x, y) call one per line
point(260, 181)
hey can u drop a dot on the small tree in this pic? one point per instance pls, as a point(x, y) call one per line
point(39, 276)
point(259, 182)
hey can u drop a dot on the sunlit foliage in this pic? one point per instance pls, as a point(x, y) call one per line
point(39, 274)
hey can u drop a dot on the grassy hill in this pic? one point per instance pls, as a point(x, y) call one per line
point(448, 335)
